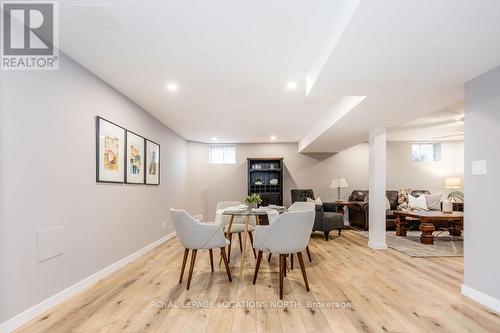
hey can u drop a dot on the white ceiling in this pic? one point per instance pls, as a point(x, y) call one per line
point(445, 124)
point(232, 60)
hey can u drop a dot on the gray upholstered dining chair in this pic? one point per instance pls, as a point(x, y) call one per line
point(195, 235)
point(288, 234)
point(296, 206)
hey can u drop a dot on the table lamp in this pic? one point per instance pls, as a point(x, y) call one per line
point(339, 183)
point(452, 182)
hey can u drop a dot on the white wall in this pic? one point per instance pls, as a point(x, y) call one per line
point(482, 142)
point(403, 172)
point(48, 179)
point(212, 183)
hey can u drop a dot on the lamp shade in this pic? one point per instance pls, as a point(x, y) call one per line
point(452, 182)
point(339, 183)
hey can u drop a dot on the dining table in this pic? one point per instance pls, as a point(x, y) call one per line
point(256, 213)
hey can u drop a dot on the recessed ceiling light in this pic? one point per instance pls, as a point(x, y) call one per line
point(172, 87)
point(214, 138)
point(292, 85)
point(273, 137)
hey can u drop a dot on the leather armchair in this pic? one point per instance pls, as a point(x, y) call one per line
point(326, 218)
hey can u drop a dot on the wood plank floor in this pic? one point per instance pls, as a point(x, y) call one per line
point(375, 291)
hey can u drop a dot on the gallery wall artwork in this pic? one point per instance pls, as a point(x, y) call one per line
point(110, 144)
point(123, 156)
point(135, 159)
point(152, 163)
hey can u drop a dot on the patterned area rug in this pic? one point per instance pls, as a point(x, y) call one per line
point(444, 244)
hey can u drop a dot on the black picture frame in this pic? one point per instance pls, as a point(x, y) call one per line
point(143, 178)
point(100, 176)
point(147, 164)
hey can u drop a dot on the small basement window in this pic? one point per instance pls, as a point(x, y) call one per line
point(222, 154)
point(426, 152)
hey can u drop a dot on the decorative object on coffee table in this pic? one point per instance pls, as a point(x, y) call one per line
point(427, 220)
point(338, 184)
point(447, 207)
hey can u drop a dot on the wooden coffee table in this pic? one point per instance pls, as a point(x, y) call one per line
point(427, 220)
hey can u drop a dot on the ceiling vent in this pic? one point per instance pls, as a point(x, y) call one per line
point(99, 17)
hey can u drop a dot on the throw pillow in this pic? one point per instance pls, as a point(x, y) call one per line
point(367, 198)
point(433, 201)
point(317, 201)
point(387, 204)
point(403, 199)
point(417, 203)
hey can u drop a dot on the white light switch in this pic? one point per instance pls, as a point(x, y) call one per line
point(479, 167)
point(50, 243)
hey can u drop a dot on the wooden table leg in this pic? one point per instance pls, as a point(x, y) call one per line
point(242, 261)
point(427, 236)
point(400, 226)
point(228, 234)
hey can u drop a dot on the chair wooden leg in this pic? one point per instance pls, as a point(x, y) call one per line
point(186, 252)
point(285, 264)
point(291, 261)
point(239, 238)
point(229, 248)
point(211, 259)
point(269, 257)
point(303, 269)
point(257, 266)
point(308, 253)
point(340, 230)
point(282, 268)
point(251, 242)
point(226, 263)
point(326, 235)
point(190, 276)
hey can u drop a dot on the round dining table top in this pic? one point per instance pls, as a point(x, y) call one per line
point(252, 212)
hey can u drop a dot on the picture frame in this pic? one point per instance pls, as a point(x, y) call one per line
point(152, 170)
point(135, 154)
point(110, 152)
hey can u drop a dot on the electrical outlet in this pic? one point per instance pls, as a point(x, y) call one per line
point(163, 225)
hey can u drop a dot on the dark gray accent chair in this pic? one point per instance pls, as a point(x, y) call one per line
point(327, 218)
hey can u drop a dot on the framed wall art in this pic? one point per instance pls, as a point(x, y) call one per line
point(110, 149)
point(152, 163)
point(134, 158)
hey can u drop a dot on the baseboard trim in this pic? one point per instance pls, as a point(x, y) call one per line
point(33, 312)
point(481, 298)
point(377, 246)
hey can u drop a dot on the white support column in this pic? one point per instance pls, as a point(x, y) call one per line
point(378, 142)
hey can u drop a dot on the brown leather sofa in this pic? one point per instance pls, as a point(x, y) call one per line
point(359, 209)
